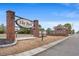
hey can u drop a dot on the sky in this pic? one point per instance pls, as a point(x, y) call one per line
point(48, 14)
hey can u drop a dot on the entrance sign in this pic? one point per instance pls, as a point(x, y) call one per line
point(24, 23)
point(10, 28)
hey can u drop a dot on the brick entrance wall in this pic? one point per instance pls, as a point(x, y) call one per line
point(10, 32)
point(35, 28)
point(10, 25)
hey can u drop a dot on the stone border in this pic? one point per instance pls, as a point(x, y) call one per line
point(8, 45)
point(40, 49)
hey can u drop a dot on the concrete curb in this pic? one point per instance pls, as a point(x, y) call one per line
point(40, 49)
point(25, 38)
point(22, 38)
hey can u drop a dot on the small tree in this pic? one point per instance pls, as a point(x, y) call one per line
point(77, 32)
point(2, 28)
point(73, 31)
point(68, 25)
point(24, 31)
point(48, 31)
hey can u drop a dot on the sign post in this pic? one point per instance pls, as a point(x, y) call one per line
point(42, 35)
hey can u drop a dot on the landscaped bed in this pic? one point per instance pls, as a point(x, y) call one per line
point(25, 45)
point(5, 41)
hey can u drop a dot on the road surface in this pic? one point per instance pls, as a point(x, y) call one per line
point(69, 47)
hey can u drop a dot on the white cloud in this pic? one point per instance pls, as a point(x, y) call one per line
point(67, 4)
point(76, 5)
point(67, 14)
point(72, 14)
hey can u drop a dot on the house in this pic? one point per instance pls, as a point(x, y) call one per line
point(60, 30)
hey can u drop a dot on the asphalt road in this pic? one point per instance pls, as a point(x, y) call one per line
point(69, 47)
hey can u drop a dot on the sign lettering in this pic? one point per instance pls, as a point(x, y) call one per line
point(24, 23)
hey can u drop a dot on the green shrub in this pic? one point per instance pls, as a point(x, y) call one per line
point(1, 31)
point(24, 31)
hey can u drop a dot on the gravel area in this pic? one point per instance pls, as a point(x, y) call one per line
point(26, 45)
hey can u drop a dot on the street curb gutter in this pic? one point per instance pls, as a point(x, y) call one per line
point(40, 49)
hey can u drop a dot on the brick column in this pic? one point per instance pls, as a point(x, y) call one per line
point(36, 28)
point(10, 31)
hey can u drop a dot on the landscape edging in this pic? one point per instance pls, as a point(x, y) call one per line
point(8, 45)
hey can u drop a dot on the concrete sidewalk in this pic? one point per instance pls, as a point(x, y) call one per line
point(25, 38)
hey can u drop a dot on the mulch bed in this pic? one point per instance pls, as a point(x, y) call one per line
point(5, 41)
